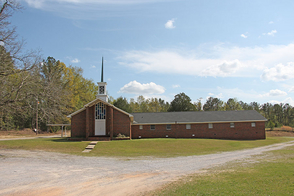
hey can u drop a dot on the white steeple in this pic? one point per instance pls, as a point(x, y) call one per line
point(102, 88)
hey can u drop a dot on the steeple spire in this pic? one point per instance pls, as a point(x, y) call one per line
point(102, 71)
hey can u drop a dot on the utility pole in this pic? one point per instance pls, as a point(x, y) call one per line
point(37, 118)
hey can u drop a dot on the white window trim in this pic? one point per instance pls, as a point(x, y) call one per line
point(169, 127)
point(232, 125)
point(188, 126)
point(210, 125)
point(141, 127)
point(253, 124)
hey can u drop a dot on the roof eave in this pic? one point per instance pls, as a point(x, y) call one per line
point(149, 123)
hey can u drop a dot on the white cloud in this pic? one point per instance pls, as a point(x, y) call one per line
point(277, 92)
point(170, 24)
point(274, 93)
point(271, 22)
point(75, 60)
point(176, 86)
point(43, 3)
point(279, 73)
point(291, 89)
point(244, 36)
point(135, 87)
point(287, 100)
point(272, 33)
point(223, 69)
point(88, 9)
point(220, 95)
point(93, 66)
point(218, 60)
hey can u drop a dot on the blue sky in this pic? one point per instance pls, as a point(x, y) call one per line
point(159, 48)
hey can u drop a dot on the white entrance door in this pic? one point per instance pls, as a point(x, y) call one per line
point(100, 127)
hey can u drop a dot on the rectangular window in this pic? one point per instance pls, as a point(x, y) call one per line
point(253, 124)
point(232, 125)
point(168, 127)
point(188, 126)
point(141, 127)
point(210, 125)
point(152, 127)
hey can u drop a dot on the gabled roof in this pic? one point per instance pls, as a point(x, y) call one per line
point(197, 117)
point(95, 101)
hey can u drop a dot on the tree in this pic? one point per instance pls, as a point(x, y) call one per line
point(213, 104)
point(233, 104)
point(181, 102)
point(198, 105)
point(17, 81)
point(123, 104)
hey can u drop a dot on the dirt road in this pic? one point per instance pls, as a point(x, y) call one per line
point(44, 173)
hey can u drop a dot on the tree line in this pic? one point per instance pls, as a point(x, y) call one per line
point(277, 114)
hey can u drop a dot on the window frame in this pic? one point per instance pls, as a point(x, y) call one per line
point(140, 127)
point(188, 126)
point(232, 125)
point(152, 127)
point(167, 127)
point(253, 124)
point(210, 125)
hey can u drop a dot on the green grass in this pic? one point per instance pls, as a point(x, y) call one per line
point(46, 144)
point(271, 176)
point(138, 148)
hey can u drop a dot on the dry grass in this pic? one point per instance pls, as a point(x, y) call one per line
point(26, 133)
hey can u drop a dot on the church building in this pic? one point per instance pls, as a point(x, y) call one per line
point(100, 120)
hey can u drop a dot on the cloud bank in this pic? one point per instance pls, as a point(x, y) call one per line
point(279, 72)
point(272, 62)
point(135, 87)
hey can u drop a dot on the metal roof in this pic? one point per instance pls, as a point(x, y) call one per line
point(197, 117)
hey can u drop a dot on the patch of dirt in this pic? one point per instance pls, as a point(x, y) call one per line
point(280, 134)
point(27, 133)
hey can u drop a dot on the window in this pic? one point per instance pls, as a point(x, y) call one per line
point(168, 127)
point(188, 126)
point(100, 111)
point(101, 90)
point(152, 127)
point(141, 127)
point(232, 125)
point(253, 124)
point(210, 125)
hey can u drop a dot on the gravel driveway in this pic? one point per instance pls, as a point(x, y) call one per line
point(44, 173)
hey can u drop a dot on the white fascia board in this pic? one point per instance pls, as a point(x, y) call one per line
point(199, 122)
point(90, 104)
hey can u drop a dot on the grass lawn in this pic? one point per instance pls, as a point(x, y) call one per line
point(273, 175)
point(143, 147)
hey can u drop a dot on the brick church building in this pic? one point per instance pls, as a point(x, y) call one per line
point(102, 120)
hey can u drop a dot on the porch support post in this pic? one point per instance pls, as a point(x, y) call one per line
point(87, 122)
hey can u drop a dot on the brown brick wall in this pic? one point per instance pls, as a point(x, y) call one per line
point(242, 130)
point(92, 121)
point(121, 123)
point(109, 120)
point(78, 125)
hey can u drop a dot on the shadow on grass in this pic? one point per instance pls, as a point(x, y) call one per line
point(65, 140)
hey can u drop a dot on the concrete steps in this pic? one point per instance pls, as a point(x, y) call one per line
point(91, 146)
